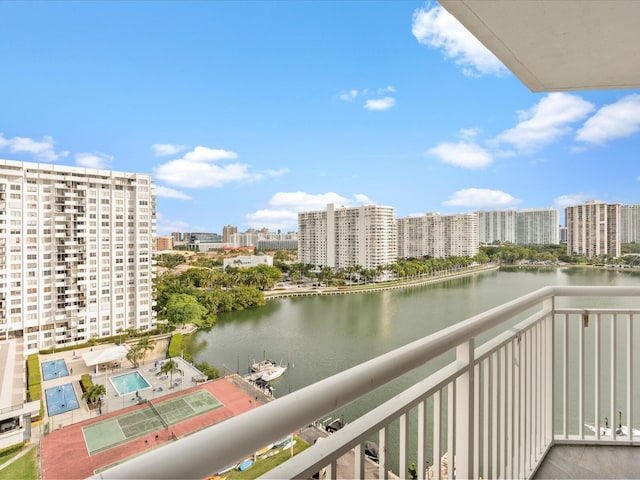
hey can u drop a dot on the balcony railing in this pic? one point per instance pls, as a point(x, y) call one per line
point(545, 368)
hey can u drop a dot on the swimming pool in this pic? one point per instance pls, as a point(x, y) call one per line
point(129, 382)
point(54, 369)
point(61, 399)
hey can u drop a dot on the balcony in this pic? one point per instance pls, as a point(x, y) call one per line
point(504, 388)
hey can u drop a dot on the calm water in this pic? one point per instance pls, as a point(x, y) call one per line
point(320, 336)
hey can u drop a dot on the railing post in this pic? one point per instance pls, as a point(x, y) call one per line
point(464, 424)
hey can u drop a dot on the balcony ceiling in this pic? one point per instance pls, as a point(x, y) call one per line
point(559, 45)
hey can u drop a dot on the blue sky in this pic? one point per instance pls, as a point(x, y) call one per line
point(246, 113)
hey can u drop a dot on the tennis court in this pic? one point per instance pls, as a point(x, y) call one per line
point(115, 431)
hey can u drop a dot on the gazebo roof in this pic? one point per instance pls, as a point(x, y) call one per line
point(105, 355)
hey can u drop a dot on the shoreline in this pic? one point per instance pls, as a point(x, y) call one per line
point(274, 295)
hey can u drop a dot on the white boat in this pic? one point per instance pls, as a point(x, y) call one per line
point(273, 372)
point(606, 431)
point(621, 430)
point(262, 365)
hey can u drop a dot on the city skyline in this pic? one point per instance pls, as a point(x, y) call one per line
point(248, 113)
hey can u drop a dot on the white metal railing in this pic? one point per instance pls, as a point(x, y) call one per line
point(493, 412)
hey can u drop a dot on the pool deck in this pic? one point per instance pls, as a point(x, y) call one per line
point(65, 454)
point(160, 386)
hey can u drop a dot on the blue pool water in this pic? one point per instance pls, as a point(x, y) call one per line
point(129, 382)
point(54, 369)
point(60, 399)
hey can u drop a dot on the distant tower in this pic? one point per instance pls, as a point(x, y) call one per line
point(593, 229)
point(227, 232)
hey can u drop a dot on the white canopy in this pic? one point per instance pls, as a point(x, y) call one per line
point(105, 355)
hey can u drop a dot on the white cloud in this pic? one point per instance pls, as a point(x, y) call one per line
point(276, 173)
point(188, 174)
point(564, 201)
point(206, 154)
point(164, 226)
point(285, 220)
point(363, 199)
point(437, 28)
point(349, 95)
point(304, 202)
point(469, 133)
point(166, 192)
point(283, 208)
point(545, 122)
point(387, 89)
point(164, 149)
point(379, 104)
point(94, 160)
point(618, 120)
point(197, 169)
point(461, 154)
point(481, 198)
point(42, 150)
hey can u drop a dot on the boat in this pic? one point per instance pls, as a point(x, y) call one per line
point(269, 454)
point(262, 365)
point(335, 425)
point(264, 449)
point(245, 464)
point(273, 372)
point(607, 431)
point(288, 445)
point(371, 450)
point(282, 442)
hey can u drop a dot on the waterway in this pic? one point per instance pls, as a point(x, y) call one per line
point(320, 336)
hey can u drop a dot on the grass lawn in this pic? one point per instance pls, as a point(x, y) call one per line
point(263, 466)
point(7, 456)
point(25, 468)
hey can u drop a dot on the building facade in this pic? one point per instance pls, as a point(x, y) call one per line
point(76, 258)
point(629, 223)
point(247, 261)
point(227, 231)
point(593, 229)
point(438, 236)
point(342, 237)
point(538, 226)
point(496, 226)
point(164, 243)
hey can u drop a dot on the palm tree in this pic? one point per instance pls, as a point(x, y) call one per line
point(169, 367)
point(93, 394)
point(145, 345)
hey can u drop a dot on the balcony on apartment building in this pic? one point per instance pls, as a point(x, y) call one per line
point(544, 376)
point(540, 387)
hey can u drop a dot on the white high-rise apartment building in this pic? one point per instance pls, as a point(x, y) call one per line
point(538, 226)
point(341, 237)
point(75, 253)
point(438, 236)
point(593, 229)
point(629, 223)
point(496, 226)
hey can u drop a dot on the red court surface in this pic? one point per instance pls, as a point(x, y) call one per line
point(65, 454)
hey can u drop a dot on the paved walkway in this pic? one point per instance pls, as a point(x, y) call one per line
point(590, 461)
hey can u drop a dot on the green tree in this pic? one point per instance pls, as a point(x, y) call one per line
point(94, 393)
point(183, 308)
point(170, 367)
point(135, 355)
point(145, 345)
point(171, 260)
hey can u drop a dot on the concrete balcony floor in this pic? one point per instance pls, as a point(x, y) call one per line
point(590, 461)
